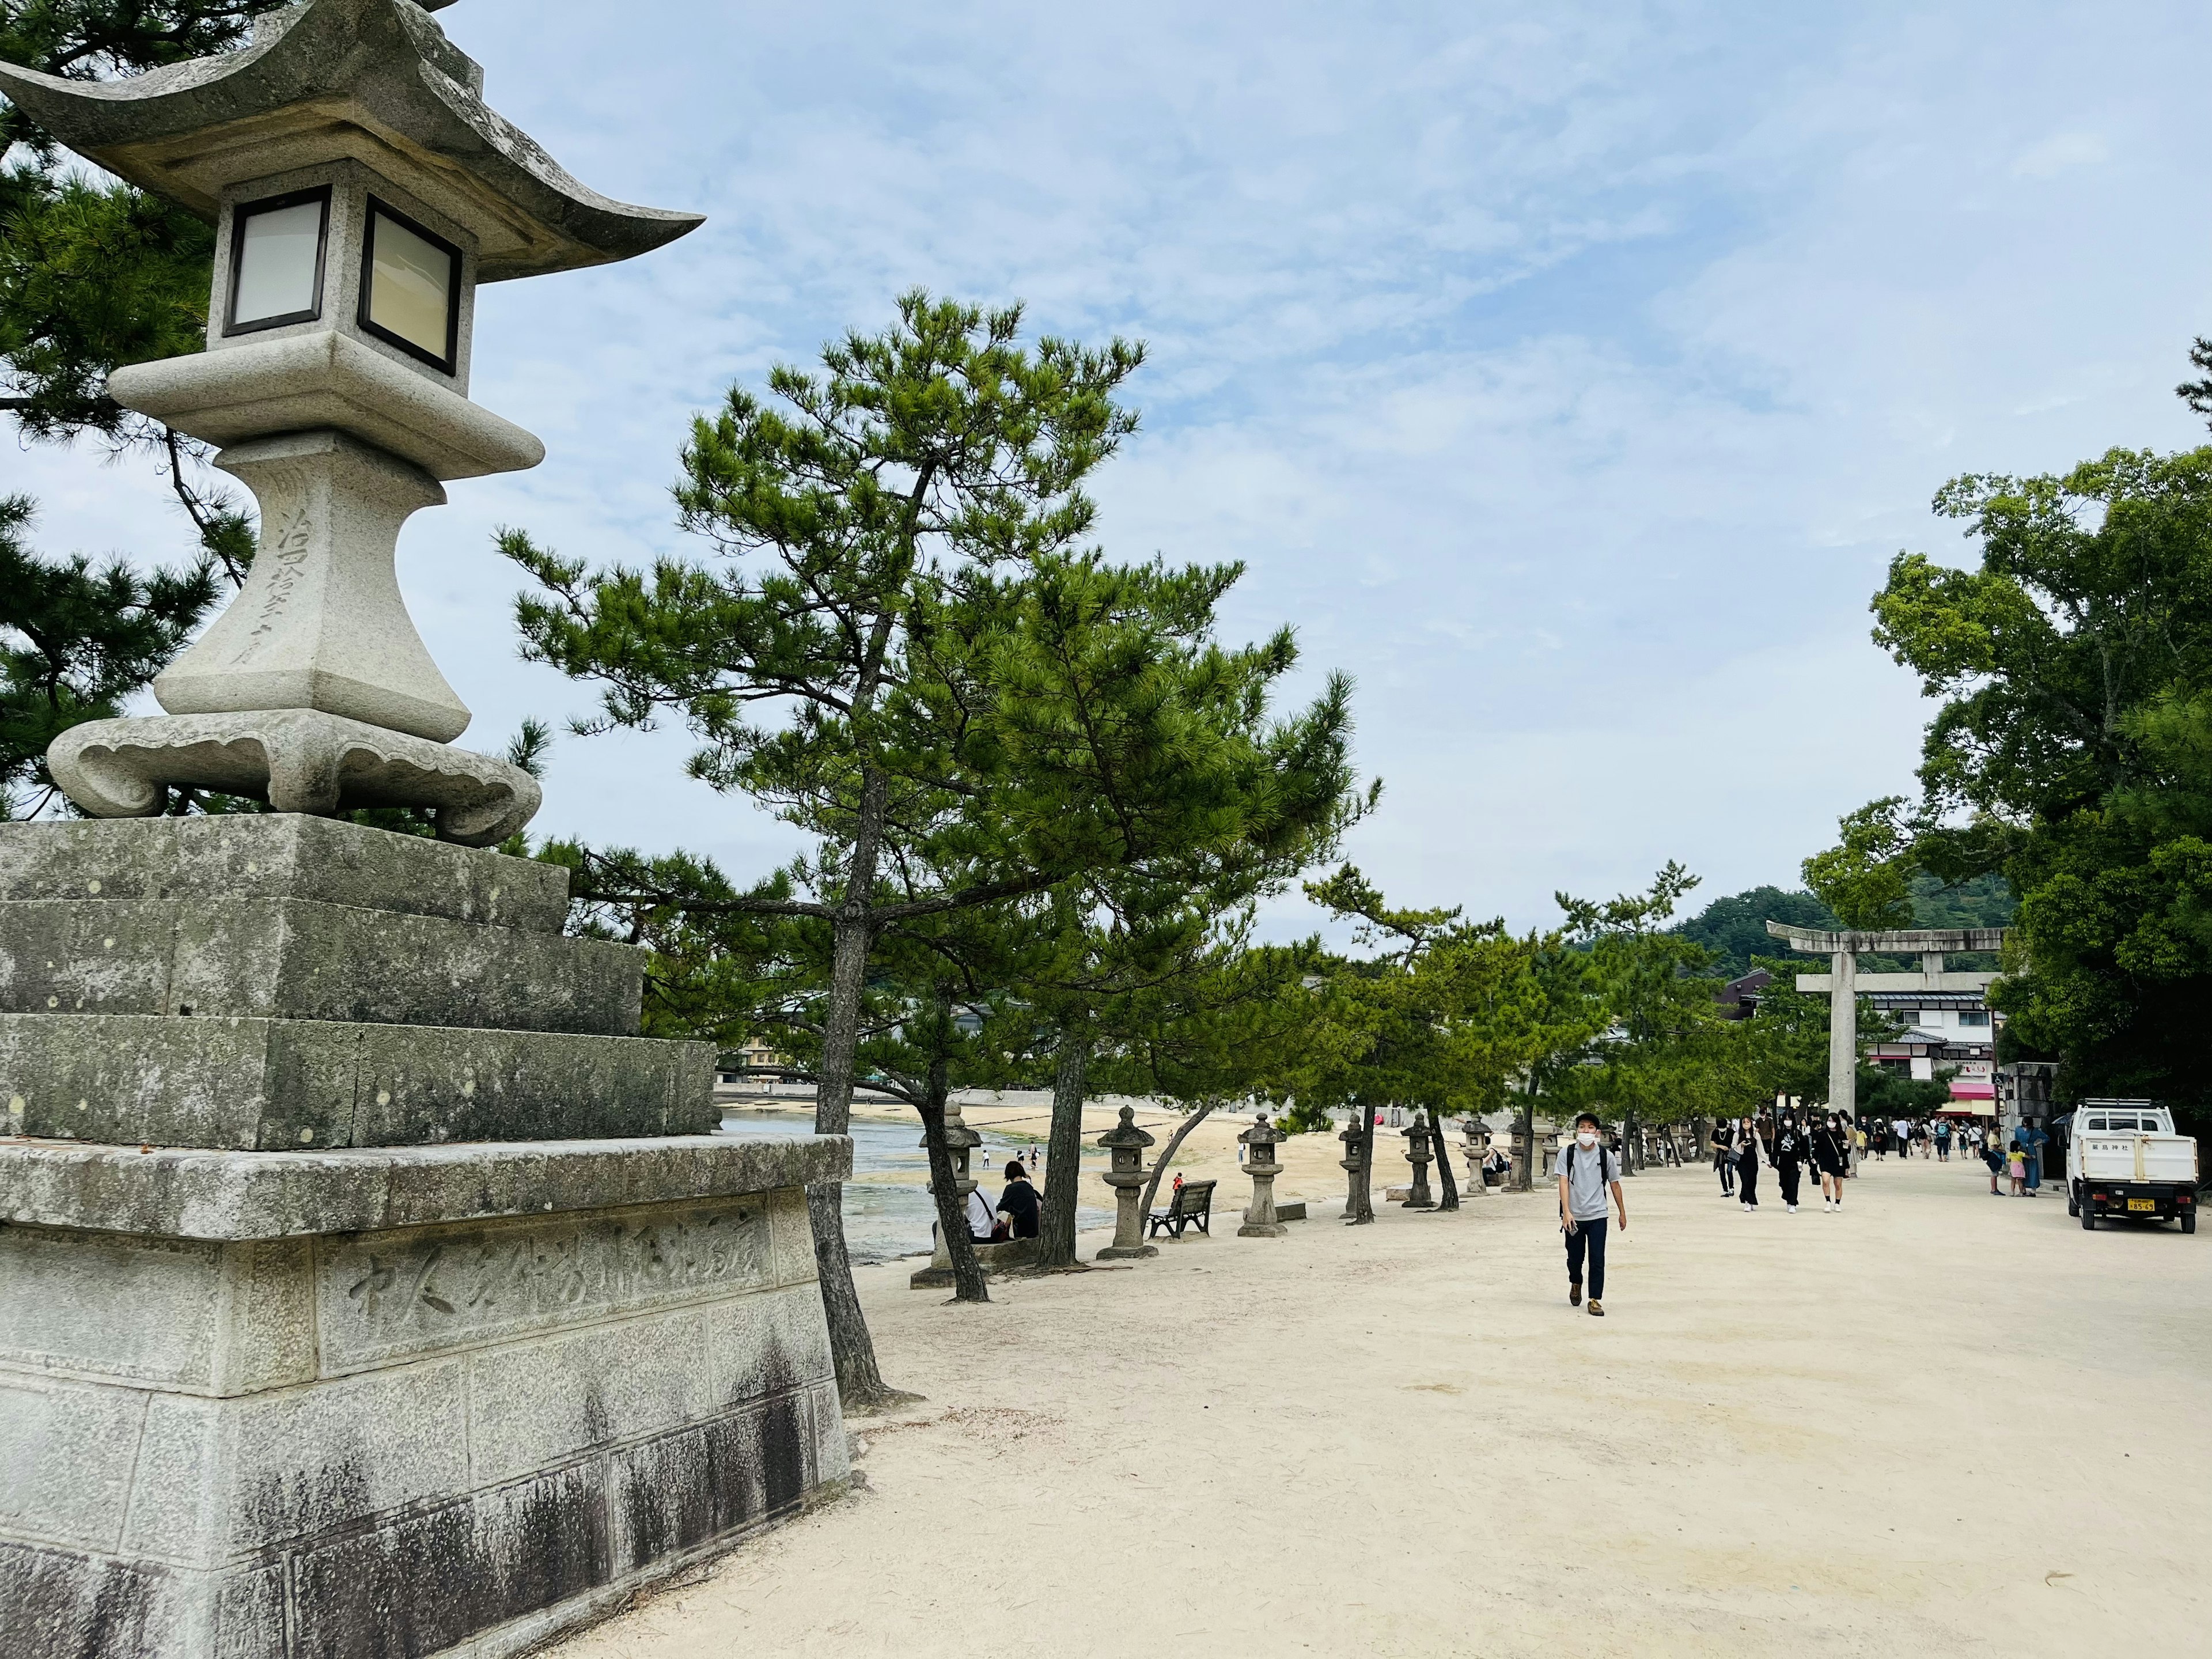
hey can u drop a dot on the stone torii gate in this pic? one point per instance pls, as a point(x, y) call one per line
point(1843, 982)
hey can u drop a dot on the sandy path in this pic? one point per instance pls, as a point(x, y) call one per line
point(1888, 1431)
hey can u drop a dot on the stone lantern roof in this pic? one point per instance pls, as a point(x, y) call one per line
point(373, 80)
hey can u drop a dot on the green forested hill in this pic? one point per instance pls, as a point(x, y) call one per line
point(1734, 928)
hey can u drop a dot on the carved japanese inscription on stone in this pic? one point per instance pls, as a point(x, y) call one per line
point(287, 554)
point(421, 1290)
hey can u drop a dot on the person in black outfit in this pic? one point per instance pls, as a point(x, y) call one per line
point(1746, 1164)
point(1019, 1202)
point(1790, 1151)
point(1830, 1158)
point(1724, 1155)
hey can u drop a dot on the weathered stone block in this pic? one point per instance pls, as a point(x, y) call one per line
point(765, 1344)
point(65, 1460)
point(302, 959)
point(65, 1602)
point(429, 1582)
point(535, 1405)
point(279, 855)
point(218, 1479)
point(261, 1085)
point(674, 1492)
point(182, 1313)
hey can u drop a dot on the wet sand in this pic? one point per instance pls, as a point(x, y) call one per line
point(1936, 1423)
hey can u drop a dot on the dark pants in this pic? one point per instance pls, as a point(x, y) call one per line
point(1750, 1193)
point(1725, 1162)
point(1587, 1236)
point(1788, 1172)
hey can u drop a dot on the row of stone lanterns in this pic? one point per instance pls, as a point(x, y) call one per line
point(1124, 1144)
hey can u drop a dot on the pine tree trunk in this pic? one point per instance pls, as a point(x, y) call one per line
point(1063, 1170)
point(1527, 1180)
point(1628, 1143)
point(1167, 1157)
point(952, 1209)
point(859, 1382)
point(1448, 1197)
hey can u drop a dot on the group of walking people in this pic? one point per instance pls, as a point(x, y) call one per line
point(1928, 1138)
point(1789, 1145)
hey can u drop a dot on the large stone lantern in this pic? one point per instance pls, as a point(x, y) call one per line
point(369, 1283)
point(1418, 1196)
point(360, 191)
point(1126, 1143)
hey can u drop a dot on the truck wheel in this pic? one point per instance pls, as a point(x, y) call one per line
point(2073, 1199)
point(2088, 1215)
point(2189, 1221)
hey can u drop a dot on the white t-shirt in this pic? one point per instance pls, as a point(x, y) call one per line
point(980, 1218)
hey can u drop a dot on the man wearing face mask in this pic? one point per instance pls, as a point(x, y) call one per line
point(1586, 1170)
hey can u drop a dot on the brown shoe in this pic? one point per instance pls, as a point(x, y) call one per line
point(1597, 1309)
point(1574, 1293)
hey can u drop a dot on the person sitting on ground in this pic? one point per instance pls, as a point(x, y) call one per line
point(1495, 1163)
point(1017, 1203)
point(980, 1222)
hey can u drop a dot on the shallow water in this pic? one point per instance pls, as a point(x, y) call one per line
point(887, 1212)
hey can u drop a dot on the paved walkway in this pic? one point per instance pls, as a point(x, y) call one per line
point(1937, 1423)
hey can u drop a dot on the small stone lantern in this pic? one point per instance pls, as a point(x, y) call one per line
point(1354, 1161)
point(360, 190)
point(961, 1142)
point(1478, 1149)
point(1417, 1155)
point(1262, 1139)
point(1127, 1142)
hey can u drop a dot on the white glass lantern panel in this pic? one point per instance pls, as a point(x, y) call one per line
point(410, 286)
point(279, 263)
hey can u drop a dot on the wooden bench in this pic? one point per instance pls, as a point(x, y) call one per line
point(1193, 1202)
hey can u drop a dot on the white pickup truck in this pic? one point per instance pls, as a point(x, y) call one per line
point(2122, 1158)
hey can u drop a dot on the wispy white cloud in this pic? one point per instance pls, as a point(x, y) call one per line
point(1568, 377)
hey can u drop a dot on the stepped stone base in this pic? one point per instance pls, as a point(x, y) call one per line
point(279, 855)
point(289, 958)
point(263, 1085)
point(240, 1419)
point(275, 981)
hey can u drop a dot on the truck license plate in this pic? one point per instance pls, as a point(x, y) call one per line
point(2142, 1204)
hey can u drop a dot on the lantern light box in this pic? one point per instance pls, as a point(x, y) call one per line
point(410, 290)
point(277, 251)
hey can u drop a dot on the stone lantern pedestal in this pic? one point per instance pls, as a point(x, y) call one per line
point(1417, 1154)
point(1126, 1143)
point(1260, 1141)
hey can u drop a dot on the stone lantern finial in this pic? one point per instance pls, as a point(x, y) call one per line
point(361, 191)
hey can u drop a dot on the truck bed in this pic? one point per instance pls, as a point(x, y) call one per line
point(2139, 1157)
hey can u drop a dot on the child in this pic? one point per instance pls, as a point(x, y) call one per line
point(2016, 1166)
point(1992, 1158)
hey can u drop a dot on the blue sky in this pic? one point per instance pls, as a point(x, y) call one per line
point(1566, 374)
